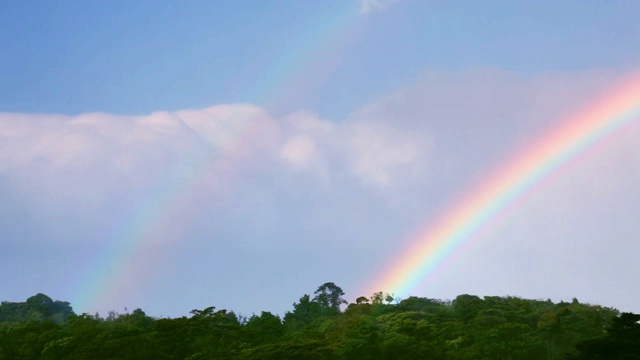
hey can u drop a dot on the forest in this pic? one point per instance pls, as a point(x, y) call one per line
point(324, 326)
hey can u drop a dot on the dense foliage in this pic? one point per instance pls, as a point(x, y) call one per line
point(323, 326)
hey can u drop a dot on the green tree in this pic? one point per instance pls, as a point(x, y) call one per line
point(622, 341)
point(304, 313)
point(329, 297)
point(466, 307)
point(266, 328)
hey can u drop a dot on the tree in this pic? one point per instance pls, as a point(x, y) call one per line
point(621, 342)
point(304, 313)
point(329, 297)
point(466, 307)
point(266, 328)
point(380, 298)
point(362, 300)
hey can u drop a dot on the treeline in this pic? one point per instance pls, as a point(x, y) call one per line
point(324, 326)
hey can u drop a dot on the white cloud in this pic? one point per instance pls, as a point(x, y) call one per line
point(381, 154)
point(428, 140)
point(299, 150)
point(372, 153)
point(240, 188)
point(308, 142)
point(368, 6)
point(79, 166)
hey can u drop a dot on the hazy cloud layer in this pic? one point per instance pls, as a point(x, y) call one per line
point(284, 203)
point(82, 161)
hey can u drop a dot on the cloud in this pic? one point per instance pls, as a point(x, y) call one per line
point(241, 196)
point(299, 150)
point(381, 154)
point(369, 6)
point(374, 153)
point(425, 141)
point(81, 165)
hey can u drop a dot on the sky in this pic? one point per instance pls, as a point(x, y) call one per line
point(172, 156)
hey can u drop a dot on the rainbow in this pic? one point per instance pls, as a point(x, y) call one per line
point(309, 60)
point(133, 250)
point(479, 208)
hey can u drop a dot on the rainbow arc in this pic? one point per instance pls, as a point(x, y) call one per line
point(467, 219)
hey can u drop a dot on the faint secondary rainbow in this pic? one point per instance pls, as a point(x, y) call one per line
point(474, 213)
point(309, 59)
point(130, 239)
point(117, 271)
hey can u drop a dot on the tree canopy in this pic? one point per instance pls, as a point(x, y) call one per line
point(322, 327)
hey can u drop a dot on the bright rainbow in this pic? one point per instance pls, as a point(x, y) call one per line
point(480, 207)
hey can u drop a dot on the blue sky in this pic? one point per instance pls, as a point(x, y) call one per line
point(244, 152)
point(124, 58)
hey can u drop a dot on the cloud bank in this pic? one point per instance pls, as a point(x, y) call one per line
point(245, 202)
point(81, 162)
